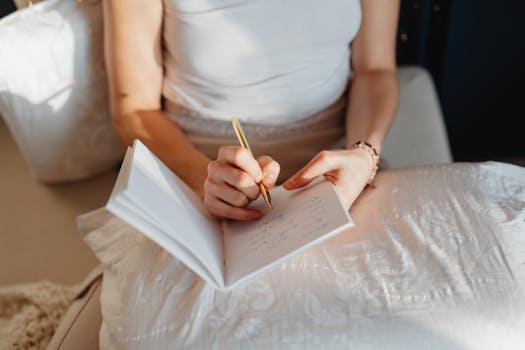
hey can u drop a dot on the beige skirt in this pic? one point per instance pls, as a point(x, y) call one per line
point(292, 145)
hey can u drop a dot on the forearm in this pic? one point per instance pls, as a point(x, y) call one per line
point(133, 57)
point(167, 142)
point(372, 105)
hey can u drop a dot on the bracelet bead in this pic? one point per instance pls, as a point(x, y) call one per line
point(373, 153)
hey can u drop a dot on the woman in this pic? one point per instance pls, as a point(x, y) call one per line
point(272, 64)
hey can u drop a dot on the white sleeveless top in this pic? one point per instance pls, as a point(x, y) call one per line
point(263, 61)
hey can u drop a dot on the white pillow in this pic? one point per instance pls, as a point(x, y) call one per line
point(436, 261)
point(53, 90)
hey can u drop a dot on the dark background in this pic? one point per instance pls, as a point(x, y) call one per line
point(475, 51)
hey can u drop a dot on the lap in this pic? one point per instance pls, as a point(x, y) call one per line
point(422, 266)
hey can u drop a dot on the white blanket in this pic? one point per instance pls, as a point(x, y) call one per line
point(436, 261)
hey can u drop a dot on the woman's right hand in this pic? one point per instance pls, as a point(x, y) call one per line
point(232, 181)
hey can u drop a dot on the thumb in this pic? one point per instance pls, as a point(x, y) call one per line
point(319, 165)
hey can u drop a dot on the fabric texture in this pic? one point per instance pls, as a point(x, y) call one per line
point(53, 89)
point(436, 261)
point(40, 315)
point(30, 314)
point(270, 61)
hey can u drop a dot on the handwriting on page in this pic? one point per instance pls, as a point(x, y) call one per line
point(310, 217)
point(298, 220)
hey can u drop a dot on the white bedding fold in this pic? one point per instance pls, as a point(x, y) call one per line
point(436, 261)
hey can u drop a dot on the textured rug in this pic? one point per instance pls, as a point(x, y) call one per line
point(30, 313)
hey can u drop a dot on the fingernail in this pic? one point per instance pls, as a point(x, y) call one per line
point(288, 184)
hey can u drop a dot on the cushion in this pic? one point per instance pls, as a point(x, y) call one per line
point(53, 90)
point(418, 135)
point(435, 261)
point(79, 327)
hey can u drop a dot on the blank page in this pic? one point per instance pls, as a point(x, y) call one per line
point(166, 200)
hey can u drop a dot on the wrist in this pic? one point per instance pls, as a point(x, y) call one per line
point(373, 155)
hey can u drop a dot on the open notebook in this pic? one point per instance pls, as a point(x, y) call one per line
point(151, 198)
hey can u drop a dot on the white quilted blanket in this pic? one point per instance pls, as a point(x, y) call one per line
point(436, 261)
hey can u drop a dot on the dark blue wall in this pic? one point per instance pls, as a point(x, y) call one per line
point(483, 84)
point(475, 50)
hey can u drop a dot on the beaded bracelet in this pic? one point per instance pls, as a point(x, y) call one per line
point(373, 153)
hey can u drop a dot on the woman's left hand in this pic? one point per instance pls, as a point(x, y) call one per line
point(349, 170)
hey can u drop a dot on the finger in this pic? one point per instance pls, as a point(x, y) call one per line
point(223, 172)
point(270, 169)
point(323, 162)
point(226, 193)
point(224, 210)
point(241, 158)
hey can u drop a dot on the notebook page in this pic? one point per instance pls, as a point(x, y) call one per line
point(298, 219)
point(121, 206)
point(155, 189)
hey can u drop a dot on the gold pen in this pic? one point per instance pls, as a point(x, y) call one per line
point(244, 143)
